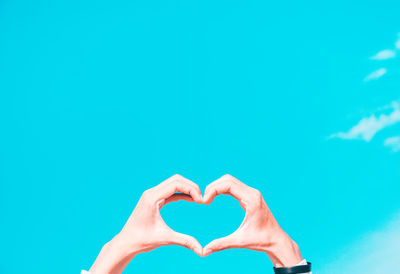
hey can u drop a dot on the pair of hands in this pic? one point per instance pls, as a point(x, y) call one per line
point(145, 229)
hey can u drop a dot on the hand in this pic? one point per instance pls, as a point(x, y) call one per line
point(145, 229)
point(259, 229)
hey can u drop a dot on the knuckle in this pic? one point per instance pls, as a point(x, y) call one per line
point(256, 199)
point(257, 196)
point(146, 193)
point(189, 242)
point(174, 184)
point(146, 196)
point(227, 177)
point(176, 177)
point(186, 243)
point(257, 193)
point(226, 185)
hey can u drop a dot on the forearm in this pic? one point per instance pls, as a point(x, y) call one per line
point(283, 251)
point(113, 258)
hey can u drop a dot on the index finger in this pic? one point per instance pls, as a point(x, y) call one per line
point(226, 185)
point(179, 183)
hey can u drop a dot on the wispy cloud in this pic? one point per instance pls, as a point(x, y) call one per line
point(393, 142)
point(367, 127)
point(398, 42)
point(384, 54)
point(376, 74)
point(376, 253)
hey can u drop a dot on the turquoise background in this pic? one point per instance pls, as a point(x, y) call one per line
point(100, 100)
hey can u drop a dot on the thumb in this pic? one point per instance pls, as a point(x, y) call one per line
point(188, 242)
point(230, 241)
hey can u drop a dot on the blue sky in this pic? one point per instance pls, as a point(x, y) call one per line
point(101, 100)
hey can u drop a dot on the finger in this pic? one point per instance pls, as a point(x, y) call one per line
point(187, 241)
point(177, 197)
point(225, 185)
point(177, 177)
point(230, 241)
point(178, 183)
point(196, 188)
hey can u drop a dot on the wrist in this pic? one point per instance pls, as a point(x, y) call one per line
point(113, 258)
point(283, 251)
point(125, 244)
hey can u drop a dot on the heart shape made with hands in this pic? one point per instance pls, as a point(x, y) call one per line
point(253, 231)
point(146, 230)
point(204, 222)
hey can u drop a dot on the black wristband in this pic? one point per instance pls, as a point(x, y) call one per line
point(293, 270)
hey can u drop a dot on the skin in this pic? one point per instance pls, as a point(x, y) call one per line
point(145, 229)
point(259, 230)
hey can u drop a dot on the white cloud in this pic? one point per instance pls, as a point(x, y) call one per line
point(376, 74)
point(384, 54)
point(398, 42)
point(369, 126)
point(393, 142)
point(376, 253)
